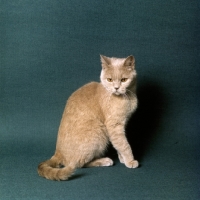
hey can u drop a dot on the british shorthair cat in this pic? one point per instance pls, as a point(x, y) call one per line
point(96, 115)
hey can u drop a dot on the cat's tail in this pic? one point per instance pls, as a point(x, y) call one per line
point(50, 169)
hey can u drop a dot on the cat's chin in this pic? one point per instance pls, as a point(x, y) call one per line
point(117, 93)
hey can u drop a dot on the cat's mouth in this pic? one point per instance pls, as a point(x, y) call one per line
point(118, 93)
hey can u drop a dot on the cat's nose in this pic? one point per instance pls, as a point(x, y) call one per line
point(116, 88)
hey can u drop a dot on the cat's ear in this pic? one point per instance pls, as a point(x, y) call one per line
point(105, 61)
point(130, 62)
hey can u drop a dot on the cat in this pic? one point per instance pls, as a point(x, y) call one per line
point(96, 115)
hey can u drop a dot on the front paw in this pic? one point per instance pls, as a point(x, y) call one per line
point(132, 164)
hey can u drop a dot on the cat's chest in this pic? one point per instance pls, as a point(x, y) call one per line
point(119, 106)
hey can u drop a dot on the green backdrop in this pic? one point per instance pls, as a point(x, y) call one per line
point(50, 48)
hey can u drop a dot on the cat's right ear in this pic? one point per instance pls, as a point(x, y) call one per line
point(105, 61)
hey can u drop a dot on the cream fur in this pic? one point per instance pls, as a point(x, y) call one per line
point(95, 115)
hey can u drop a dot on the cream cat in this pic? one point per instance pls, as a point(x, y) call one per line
point(95, 115)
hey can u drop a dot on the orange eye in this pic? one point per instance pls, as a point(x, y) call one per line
point(109, 79)
point(124, 79)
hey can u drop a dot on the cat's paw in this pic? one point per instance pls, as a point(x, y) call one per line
point(132, 164)
point(107, 162)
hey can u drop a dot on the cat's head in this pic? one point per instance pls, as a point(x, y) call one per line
point(117, 74)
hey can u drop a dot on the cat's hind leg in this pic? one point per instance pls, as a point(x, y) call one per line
point(101, 162)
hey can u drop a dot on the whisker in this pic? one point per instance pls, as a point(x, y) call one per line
point(130, 92)
point(125, 97)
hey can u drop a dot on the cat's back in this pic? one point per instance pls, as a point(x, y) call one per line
point(86, 92)
point(86, 97)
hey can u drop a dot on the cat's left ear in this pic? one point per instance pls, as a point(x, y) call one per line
point(130, 62)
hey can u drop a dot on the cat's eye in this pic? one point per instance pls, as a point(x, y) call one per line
point(124, 79)
point(109, 79)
